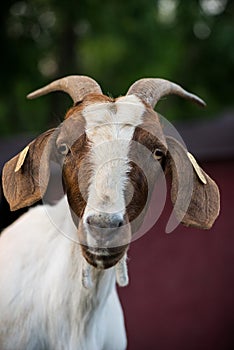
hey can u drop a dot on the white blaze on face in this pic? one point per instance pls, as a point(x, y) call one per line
point(110, 127)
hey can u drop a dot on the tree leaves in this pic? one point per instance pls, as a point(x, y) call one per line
point(116, 42)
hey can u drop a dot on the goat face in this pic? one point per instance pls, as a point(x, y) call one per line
point(111, 151)
point(103, 147)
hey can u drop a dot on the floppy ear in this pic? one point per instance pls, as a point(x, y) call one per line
point(195, 196)
point(26, 176)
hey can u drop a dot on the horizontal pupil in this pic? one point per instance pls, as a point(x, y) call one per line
point(158, 153)
point(62, 148)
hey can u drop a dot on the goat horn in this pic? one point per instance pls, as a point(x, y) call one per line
point(151, 90)
point(77, 86)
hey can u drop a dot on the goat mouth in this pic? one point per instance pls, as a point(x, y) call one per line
point(103, 258)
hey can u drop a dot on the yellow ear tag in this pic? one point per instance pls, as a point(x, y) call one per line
point(21, 158)
point(197, 168)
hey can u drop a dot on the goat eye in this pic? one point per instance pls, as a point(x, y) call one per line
point(158, 154)
point(63, 149)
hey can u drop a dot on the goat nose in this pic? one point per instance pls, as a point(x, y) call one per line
point(103, 220)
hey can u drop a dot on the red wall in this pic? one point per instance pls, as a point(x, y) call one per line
point(181, 291)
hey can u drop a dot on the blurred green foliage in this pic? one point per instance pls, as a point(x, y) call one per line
point(115, 42)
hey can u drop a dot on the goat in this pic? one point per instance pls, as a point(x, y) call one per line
point(60, 294)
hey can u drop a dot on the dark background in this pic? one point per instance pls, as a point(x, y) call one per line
point(115, 42)
point(182, 284)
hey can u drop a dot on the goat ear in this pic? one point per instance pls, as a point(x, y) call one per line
point(195, 196)
point(26, 176)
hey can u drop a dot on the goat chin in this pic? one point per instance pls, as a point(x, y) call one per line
point(103, 258)
point(121, 272)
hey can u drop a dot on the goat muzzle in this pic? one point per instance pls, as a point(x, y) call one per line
point(104, 239)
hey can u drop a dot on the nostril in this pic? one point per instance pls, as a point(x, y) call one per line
point(120, 223)
point(92, 220)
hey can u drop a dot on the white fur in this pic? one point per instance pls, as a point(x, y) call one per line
point(43, 304)
point(50, 298)
point(122, 272)
point(110, 127)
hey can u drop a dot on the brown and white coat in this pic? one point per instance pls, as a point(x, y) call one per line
point(111, 153)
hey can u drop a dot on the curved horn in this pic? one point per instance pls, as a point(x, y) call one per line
point(77, 86)
point(151, 90)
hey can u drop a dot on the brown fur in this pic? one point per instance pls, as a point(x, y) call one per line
point(203, 203)
point(115, 254)
point(28, 184)
point(143, 177)
point(76, 184)
point(88, 100)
